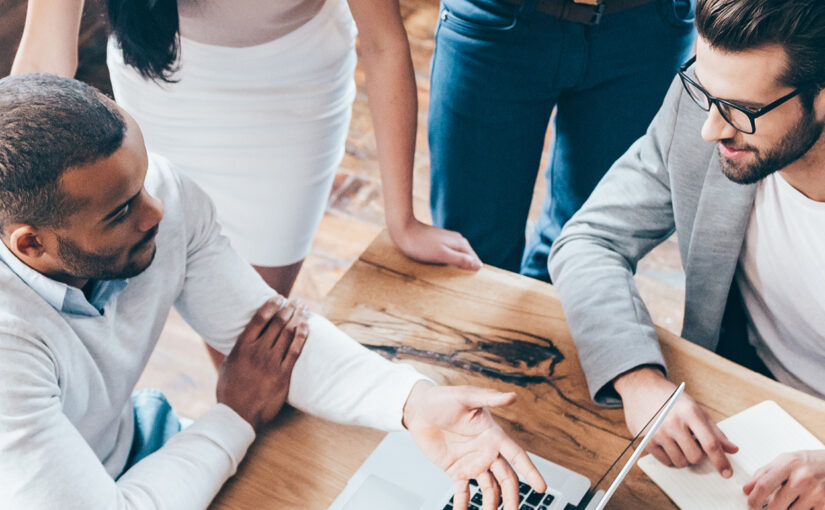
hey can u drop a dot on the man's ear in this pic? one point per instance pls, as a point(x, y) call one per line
point(819, 101)
point(25, 241)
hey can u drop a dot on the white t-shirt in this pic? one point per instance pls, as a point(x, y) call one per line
point(781, 275)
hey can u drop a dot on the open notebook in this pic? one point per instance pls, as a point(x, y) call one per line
point(762, 432)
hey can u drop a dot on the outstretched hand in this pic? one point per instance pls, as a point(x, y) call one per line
point(454, 430)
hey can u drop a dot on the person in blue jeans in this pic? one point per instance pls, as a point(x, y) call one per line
point(498, 71)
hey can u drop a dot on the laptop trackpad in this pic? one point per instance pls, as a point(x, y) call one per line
point(378, 493)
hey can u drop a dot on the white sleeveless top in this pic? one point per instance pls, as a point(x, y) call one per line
point(241, 23)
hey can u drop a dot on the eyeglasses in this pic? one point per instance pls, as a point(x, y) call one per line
point(740, 117)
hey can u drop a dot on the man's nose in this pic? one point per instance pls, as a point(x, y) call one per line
point(716, 127)
point(151, 214)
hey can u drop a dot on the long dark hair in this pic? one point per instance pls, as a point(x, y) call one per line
point(147, 31)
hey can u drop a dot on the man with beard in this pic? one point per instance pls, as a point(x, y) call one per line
point(734, 163)
point(99, 241)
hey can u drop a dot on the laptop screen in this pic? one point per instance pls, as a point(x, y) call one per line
point(602, 487)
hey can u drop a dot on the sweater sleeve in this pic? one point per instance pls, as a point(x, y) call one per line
point(338, 379)
point(44, 459)
point(335, 377)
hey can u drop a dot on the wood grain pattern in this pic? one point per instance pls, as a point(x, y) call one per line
point(494, 329)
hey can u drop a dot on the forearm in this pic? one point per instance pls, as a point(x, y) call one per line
point(394, 108)
point(637, 377)
point(608, 320)
point(190, 469)
point(338, 379)
point(50, 38)
point(63, 465)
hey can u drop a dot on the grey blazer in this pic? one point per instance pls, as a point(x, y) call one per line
point(669, 180)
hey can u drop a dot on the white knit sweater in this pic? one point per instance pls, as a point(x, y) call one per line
point(66, 419)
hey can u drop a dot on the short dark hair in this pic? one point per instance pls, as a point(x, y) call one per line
point(47, 125)
point(796, 25)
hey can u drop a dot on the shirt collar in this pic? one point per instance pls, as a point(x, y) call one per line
point(64, 298)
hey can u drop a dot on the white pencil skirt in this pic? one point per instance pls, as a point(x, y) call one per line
point(262, 129)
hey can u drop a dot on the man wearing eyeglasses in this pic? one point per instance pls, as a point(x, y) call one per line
point(734, 163)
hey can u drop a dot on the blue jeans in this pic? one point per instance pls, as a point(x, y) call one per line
point(498, 71)
point(155, 423)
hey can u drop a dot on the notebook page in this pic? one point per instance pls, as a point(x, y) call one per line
point(762, 432)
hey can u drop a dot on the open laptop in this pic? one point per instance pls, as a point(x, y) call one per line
point(398, 476)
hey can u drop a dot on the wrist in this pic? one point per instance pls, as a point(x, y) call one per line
point(400, 222)
point(238, 405)
point(415, 400)
point(639, 377)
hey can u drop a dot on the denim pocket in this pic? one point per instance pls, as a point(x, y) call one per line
point(478, 17)
point(678, 13)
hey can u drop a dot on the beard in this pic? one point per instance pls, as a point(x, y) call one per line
point(795, 144)
point(89, 265)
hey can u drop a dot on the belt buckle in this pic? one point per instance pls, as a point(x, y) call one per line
point(598, 10)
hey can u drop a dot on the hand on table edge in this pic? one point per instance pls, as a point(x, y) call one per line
point(434, 245)
point(453, 428)
point(793, 480)
point(686, 435)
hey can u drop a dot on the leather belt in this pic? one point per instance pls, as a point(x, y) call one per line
point(588, 14)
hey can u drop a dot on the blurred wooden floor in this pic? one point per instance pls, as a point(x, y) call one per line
point(180, 366)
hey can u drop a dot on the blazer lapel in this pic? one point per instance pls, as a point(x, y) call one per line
point(722, 217)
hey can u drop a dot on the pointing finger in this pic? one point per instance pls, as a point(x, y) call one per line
point(715, 444)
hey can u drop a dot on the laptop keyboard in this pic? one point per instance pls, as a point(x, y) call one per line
point(528, 498)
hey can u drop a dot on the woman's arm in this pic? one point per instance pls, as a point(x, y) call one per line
point(385, 55)
point(49, 42)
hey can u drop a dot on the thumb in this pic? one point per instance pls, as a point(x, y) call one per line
point(475, 397)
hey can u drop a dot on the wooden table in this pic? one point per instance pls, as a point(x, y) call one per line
point(495, 329)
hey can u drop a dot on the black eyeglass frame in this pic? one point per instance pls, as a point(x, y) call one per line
point(751, 114)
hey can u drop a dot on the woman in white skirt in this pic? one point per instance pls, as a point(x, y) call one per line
point(252, 99)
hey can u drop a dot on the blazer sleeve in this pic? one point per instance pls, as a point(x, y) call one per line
point(593, 261)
